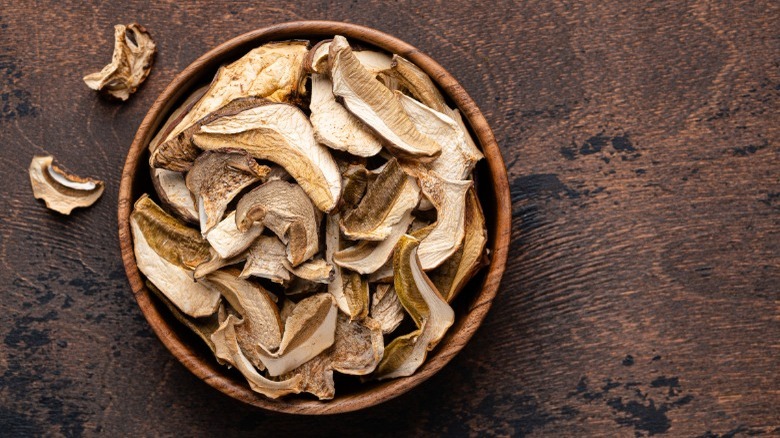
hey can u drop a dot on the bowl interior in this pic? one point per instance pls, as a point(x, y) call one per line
point(470, 306)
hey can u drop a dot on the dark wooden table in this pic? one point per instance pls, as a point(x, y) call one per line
point(641, 295)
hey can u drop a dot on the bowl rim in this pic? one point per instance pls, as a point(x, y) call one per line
point(449, 346)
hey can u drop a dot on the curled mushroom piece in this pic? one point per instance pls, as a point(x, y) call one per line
point(446, 235)
point(354, 184)
point(386, 309)
point(316, 270)
point(215, 263)
point(366, 257)
point(376, 105)
point(358, 346)
point(284, 209)
point(429, 311)
point(130, 64)
point(174, 194)
point(60, 190)
point(418, 83)
point(227, 348)
point(217, 177)
point(316, 377)
point(228, 241)
point(280, 133)
point(374, 62)
point(266, 260)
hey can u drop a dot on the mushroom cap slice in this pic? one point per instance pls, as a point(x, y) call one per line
point(130, 64)
point(387, 201)
point(366, 257)
point(317, 59)
point(228, 241)
point(376, 105)
point(429, 311)
point(283, 134)
point(384, 274)
point(358, 346)
point(217, 177)
point(215, 263)
point(165, 251)
point(418, 83)
point(176, 116)
point(60, 190)
point(316, 270)
point(316, 376)
point(354, 184)
point(336, 127)
point(386, 309)
point(174, 194)
point(266, 260)
point(227, 349)
point(284, 209)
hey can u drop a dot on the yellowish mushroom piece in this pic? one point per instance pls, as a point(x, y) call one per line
point(228, 241)
point(60, 190)
point(386, 309)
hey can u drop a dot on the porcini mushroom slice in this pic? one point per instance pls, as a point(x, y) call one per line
point(336, 127)
point(174, 194)
point(217, 177)
point(176, 117)
point(445, 238)
point(317, 59)
point(383, 274)
point(356, 294)
point(60, 190)
point(366, 257)
point(332, 245)
point(316, 270)
point(358, 346)
point(309, 330)
point(375, 105)
point(316, 376)
point(130, 64)
point(227, 348)
point(262, 326)
point(418, 83)
point(284, 209)
point(354, 184)
point(202, 327)
point(452, 275)
point(386, 202)
point(228, 241)
point(429, 311)
point(166, 251)
point(266, 260)
point(283, 134)
point(216, 262)
point(386, 309)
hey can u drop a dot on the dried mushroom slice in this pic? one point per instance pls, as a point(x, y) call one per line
point(62, 191)
point(356, 294)
point(217, 177)
point(418, 83)
point(429, 311)
point(130, 64)
point(384, 274)
point(202, 327)
point(358, 346)
point(215, 263)
point(226, 341)
point(228, 241)
point(458, 269)
point(166, 251)
point(316, 270)
point(308, 331)
point(280, 133)
point(354, 184)
point(316, 377)
point(447, 234)
point(387, 201)
point(386, 309)
point(317, 59)
point(176, 117)
point(336, 127)
point(367, 257)
point(262, 325)
point(174, 194)
point(375, 105)
point(266, 260)
point(284, 209)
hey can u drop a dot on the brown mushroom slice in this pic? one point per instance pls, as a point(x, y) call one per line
point(418, 83)
point(227, 349)
point(375, 105)
point(429, 311)
point(458, 157)
point(265, 259)
point(216, 178)
point(262, 326)
point(446, 236)
point(354, 184)
point(387, 201)
point(176, 117)
point(358, 346)
point(316, 377)
point(283, 134)
point(309, 330)
point(228, 241)
point(366, 257)
point(174, 194)
point(60, 190)
point(284, 209)
point(215, 263)
point(130, 64)
point(458, 269)
point(316, 270)
point(386, 309)
point(166, 251)
point(336, 127)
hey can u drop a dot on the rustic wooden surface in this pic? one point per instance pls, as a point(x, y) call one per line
point(641, 296)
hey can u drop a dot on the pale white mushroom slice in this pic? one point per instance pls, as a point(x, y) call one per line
point(228, 241)
point(316, 270)
point(60, 190)
point(366, 257)
point(358, 346)
point(227, 349)
point(384, 274)
point(376, 105)
point(446, 235)
point(130, 64)
point(284, 209)
point(332, 245)
point(176, 117)
point(386, 309)
point(308, 331)
point(336, 127)
point(317, 59)
point(174, 194)
point(265, 259)
point(166, 251)
point(387, 201)
point(283, 134)
point(216, 262)
point(429, 311)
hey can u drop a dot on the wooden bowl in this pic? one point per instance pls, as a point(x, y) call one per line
point(472, 304)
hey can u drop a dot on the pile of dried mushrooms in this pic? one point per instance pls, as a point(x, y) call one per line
point(312, 204)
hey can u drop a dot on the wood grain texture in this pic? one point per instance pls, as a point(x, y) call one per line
point(641, 293)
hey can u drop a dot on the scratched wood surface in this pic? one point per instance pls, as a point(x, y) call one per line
point(641, 295)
